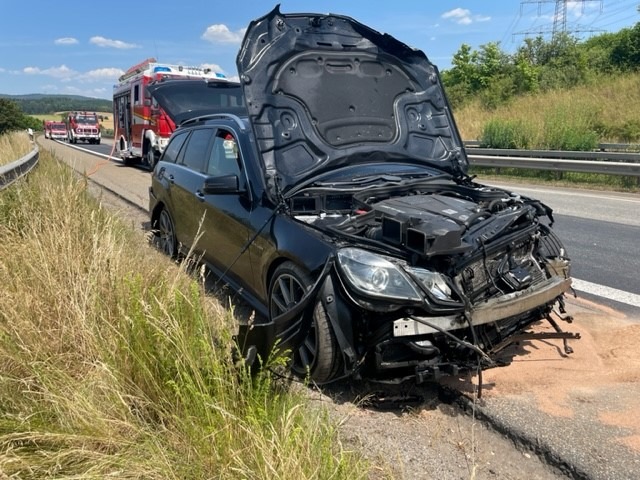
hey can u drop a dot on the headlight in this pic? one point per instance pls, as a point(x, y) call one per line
point(433, 282)
point(374, 275)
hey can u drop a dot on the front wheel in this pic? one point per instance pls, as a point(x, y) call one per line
point(318, 357)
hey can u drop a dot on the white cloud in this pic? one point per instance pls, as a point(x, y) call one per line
point(65, 41)
point(100, 74)
point(2, 70)
point(62, 72)
point(66, 74)
point(220, 33)
point(107, 42)
point(214, 67)
point(463, 16)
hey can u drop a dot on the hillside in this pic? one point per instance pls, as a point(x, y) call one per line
point(42, 104)
point(608, 108)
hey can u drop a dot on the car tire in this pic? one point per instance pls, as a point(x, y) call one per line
point(151, 158)
point(166, 234)
point(318, 357)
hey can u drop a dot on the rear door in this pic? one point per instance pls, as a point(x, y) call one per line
point(226, 220)
point(186, 179)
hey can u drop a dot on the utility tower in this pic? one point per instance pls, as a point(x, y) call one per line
point(559, 18)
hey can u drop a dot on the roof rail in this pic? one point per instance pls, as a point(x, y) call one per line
point(210, 116)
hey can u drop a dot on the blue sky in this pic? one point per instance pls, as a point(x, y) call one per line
point(76, 47)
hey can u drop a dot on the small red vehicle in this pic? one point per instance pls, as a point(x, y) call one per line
point(55, 130)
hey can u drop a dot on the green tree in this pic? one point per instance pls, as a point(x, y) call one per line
point(625, 54)
point(11, 117)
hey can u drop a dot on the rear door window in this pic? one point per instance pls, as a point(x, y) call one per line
point(173, 149)
point(197, 149)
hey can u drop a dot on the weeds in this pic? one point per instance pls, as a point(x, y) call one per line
point(14, 145)
point(114, 363)
point(608, 110)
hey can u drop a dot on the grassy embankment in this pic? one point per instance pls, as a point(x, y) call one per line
point(113, 363)
point(13, 146)
point(577, 119)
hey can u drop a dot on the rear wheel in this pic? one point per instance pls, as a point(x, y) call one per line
point(166, 236)
point(318, 356)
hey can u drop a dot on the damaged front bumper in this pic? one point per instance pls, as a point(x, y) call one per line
point(415, 347)
point(493, 310)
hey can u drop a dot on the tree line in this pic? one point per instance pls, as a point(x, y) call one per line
point(47, 104)
point(15, 111)
point(493, 76)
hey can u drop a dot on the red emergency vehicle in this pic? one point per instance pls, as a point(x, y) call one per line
point(46, 126)
point(142, 129)
point(83, 126)
point(55, 130)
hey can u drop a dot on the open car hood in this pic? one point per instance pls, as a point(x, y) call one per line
point(324, 90)
point(187, 99)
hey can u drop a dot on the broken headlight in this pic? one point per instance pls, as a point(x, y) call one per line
point(376, 276)
point(432, 282)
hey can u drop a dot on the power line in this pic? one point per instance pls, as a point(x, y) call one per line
point(560, 24)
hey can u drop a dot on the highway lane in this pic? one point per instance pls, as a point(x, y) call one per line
point(599, 229)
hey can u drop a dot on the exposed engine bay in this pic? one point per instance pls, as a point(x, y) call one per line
point(499, 258)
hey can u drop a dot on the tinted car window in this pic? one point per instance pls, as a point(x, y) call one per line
point(173, 149)
point(224, 158)
point(195, 153)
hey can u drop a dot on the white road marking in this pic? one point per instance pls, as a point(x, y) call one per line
point(573, 194)
point(607, 292)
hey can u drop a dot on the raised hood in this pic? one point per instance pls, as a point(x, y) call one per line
point(324, 90)
point(187, 99)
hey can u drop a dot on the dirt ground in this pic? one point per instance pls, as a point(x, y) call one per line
point(432, 438)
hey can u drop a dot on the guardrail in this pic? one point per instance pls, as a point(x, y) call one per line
point(11, 172)
point(603, 147)
point(611, 163)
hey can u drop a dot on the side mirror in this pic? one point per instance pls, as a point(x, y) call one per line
point(221, 184)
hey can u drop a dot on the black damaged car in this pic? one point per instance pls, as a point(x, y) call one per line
point(331, 191)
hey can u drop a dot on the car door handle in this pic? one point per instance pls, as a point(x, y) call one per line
point(200, 195)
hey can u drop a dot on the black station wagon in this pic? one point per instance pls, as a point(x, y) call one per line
point(331, 191)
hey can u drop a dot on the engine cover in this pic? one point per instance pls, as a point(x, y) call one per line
point(427, 224)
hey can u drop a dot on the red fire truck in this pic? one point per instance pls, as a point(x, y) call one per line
point(83, 126)
point(142, 129)
point(46, 126)
point(55, 130)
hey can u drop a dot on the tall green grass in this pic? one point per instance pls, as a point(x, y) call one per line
point(113, 363)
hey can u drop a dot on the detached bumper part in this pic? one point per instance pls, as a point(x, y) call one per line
point(493, 310)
